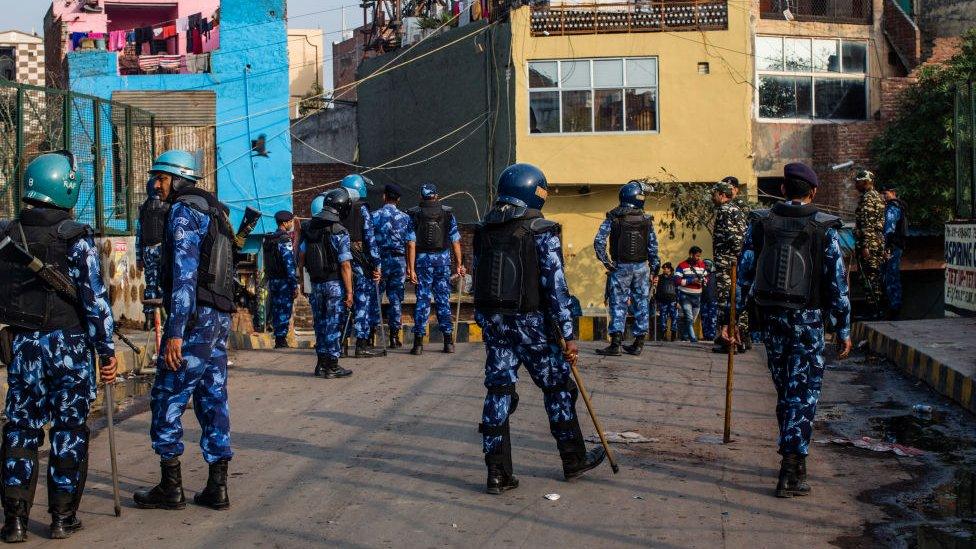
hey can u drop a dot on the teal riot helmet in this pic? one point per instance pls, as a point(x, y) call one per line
point(51, 179)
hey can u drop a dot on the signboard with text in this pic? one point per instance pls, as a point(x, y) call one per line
point(960, 276)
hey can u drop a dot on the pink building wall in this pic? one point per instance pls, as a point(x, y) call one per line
point(79, 21)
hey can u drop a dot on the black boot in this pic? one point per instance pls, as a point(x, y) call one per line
point(448, 343)
point(62, 526)
point(576, 459)
point(168, 494)
point(63, 506)
point(613, 349)
point(281, 342)
point(214, 495)
point(321, 364)
point(15, 521)
point(802, 488)
point(395, 342)
point(636, 348)
point(362, 349)
point(418, 345)
point(499, 462)
point(371, 342)
point(787, 482)
point(332, 370)
point(147, 325)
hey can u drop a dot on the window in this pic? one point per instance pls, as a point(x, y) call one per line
point(811, 78)
point(8, 67)
point(593, 95)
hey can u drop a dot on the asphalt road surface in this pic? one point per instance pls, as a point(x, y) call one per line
point(391, 457)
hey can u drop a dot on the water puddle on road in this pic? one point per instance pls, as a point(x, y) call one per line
point(952, 512)
point(924, 433)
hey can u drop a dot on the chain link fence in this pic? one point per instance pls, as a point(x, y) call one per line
point(114, 145)
point(964, 127)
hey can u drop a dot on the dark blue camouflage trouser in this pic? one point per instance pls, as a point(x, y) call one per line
point(891, 272)
point(364, 301)
point(151, 265)
point(795, 356)
point(394, 276)
point(667, 312)
point(514, 340)
point(203, 376)
point(709, 320)
point(281, 292)
point(51, 379)
point(433, 281)
point(328, 313)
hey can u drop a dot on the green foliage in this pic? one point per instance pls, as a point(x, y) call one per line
point(313, 101)
point(435, 22)
point(916, 150)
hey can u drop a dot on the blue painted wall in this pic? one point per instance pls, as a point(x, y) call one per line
point(249, 74)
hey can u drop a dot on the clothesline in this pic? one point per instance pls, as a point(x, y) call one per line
point(195, 26)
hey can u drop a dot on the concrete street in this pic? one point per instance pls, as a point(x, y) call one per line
point(391, 458)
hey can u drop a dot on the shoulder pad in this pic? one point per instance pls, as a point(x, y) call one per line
point(196, 202)
point(541, 225)
point(339, 228)
point(756, 215)
point(447, 209)
point(414, 210)
point(71, 230)
point(827, 220)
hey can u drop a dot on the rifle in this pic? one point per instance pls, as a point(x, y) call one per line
point(248, 223)
point(53, 278)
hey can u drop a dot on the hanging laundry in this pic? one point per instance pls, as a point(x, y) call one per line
point(213, 42)
point(157, 33)
point(169, 31)
point(198, 63)
point(75, 38)
point(149, 63)
point(170, 62)
point(158, 47)
point(117, 40)
point(193, 24)
point(182, 24)
point(130, 37)
point(197, 41)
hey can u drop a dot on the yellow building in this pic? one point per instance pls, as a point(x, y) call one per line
point(595, 110)
point(305, 53)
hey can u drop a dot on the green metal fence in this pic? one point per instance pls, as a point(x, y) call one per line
point(964, 126)
point(113, 144)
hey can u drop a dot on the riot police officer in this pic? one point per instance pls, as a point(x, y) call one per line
point(429, 265)
point(792, 268)
point(393, 232)
point(149, 244)
point(279, 267)
point(632, 261)
point(198, 282)
point(895, 235)
point(327, 258)
point(522, 306)
point(366, 262)
point(50, 375)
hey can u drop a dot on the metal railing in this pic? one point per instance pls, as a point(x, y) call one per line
point(825, 11)
point(112, 143)
point(629, 17)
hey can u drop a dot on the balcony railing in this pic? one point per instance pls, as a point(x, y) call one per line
point(824, 11)
point(628, 17)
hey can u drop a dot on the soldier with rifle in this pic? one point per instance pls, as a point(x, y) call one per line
point(55, 334)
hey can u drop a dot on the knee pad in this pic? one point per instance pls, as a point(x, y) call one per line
point(21, 493)
point(506, 390)
point(569, 386)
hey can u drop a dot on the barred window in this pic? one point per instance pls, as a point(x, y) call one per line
point(811, 78)
point(593, 95)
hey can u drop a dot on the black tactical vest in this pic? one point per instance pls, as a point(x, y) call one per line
point(431, 224)
point(321, 257)
point(506, 275)
point(216, 274)
point(354, 222)
point(789, 244)
point(152, 221)
point(274, 261)
point(629, 233)
point(25, 300)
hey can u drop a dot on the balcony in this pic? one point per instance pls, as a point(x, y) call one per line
point(629, 17)
point(820, 11)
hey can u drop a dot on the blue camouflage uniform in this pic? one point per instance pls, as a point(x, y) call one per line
point(794, 340)
point(709, 308)
point(393, 231)
point(434, 280)
point(52, 380)
point(365, 308)
point(891, 272)
point(281, 291)
point(531, 339)
point(204, 330)
point(328, 309)
point(628, 281)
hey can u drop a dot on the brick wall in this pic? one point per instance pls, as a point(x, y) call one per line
point(834, 144)
point(892, 90)
point(902, 33)
point(312, 177)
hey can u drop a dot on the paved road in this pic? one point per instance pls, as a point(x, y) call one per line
point(391, 458)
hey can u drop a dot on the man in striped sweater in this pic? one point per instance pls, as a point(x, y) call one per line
point(690, 276)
